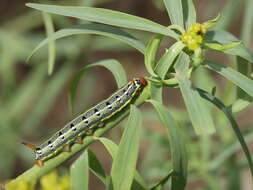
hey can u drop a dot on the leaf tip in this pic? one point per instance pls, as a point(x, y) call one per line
point(28, 58)
point(29, 4)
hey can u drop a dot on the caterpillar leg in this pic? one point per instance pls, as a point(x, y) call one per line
point(100, 125)
point(67, 148)
point(79, 140)
point(89, 132)
point(39, 163)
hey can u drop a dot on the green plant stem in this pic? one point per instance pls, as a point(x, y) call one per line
point(35, 172)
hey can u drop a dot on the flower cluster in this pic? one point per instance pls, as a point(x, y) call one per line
point(194, 36)
point(53, 181)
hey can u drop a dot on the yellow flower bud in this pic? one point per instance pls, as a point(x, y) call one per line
point(196, 27)
point(203, 29)
point(53, 181)
point(185, 37)
point(194, 36)
point(193, 46)
point(199, 39)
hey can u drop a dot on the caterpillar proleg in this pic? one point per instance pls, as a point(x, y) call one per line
point(87, 122)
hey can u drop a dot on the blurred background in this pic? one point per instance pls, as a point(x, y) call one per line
point(33, 105)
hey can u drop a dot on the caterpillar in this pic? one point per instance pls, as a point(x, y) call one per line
point(87, 122)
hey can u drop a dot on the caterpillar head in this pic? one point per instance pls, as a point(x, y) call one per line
point(140, 81)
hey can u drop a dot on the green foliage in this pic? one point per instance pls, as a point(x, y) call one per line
point(51, 47)
point(234, 125)
point(127, 154)
point(79, 173)
point(177, 148)
point(222, 37)
point(150, 53)
point(198, 111)
point(235, 77)
point(166, 61)
point(112, 148)
point(93, 28)
point(177, 159)
point(105, 16)
point(112, 65)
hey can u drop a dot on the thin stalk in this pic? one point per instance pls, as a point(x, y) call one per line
point(36, 172)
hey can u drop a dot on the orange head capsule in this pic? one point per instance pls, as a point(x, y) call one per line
point(143, 81)
point(39, 163)
point(132, 81)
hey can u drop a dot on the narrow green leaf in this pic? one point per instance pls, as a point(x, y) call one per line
point(161, 183)
point(247, 26)
point(112, 65)
point(221, 47)
point(116, 69)
point(228, 14)
point(210, 23)
point(243, 68)
point(92, 28)
point(225, 154)
point(170, 82)
point(239, 105)
point(150, 53)
point(237, 78)
point(175, 11)
point(138, 182)
point(95, 166)
point(189, 13)
point(51, 46)
point(112, 148)
point(182, 63)
point(168, 58)
point(222, 37)
point(203, 79)
point(198, 111)
point(227, 112)
point(156, 91)
point(177, 28)
point(177, 146)
point(246, 36)
point(106, 16)
point(124, 164)
point(79, 173)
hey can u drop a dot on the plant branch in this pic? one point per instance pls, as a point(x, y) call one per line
point(36, 172)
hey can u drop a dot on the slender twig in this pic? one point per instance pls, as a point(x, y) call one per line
point(35, 172)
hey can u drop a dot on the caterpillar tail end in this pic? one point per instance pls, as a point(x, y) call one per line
point(29, 145)
point(39, 163)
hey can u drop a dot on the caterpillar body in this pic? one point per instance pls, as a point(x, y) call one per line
point(87, 122)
